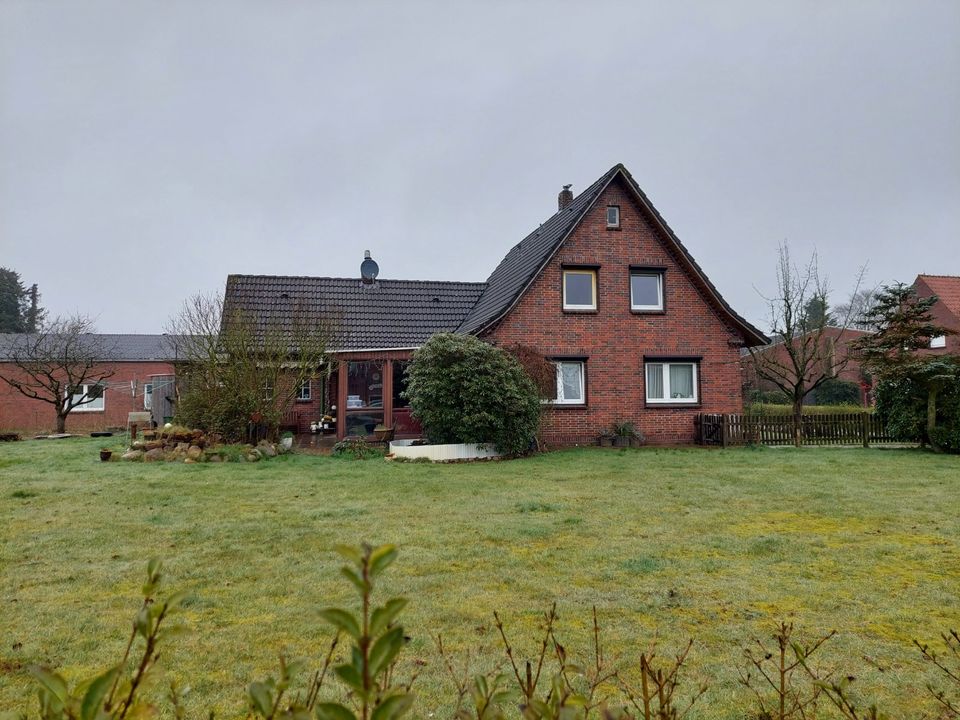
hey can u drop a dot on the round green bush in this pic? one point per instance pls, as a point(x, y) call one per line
point(463, 390)
point(837, 392)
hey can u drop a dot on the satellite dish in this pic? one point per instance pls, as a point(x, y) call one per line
point(369, 268)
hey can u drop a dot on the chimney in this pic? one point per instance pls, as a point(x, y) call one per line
point(565, 197)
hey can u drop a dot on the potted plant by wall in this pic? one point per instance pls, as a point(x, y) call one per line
point(382, 433)
point(623, 432)
point(606, 437)
point(286, 440)
point(105, 454)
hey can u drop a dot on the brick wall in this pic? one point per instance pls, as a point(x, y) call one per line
point(942, 316)
point(20, 413)
point(614, 340)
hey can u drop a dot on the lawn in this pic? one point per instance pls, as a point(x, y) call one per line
point(710, 545)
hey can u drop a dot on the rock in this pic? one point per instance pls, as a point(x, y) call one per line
point(190, 461)
point(267, 450)
point(194, 453)
point(182, 447)
point(132, 455)
point(214, 458)
point(154, 455)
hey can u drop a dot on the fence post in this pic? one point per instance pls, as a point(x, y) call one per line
point(865, 428)
point(725, 429)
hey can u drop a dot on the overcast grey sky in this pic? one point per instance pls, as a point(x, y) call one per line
point(148, 149)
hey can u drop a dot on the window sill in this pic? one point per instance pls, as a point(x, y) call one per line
point(672, 405)
point(634, 311)
point(303, 401)
point(566, 406)
point(616, 228)
point(585, 311)
point(90, 410)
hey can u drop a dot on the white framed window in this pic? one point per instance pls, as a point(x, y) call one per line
point(148, 396)
point(92, 395)
point(267, 389)
point(579, 289)
point(671, 382)
point(571, 388)
point(304, 391)
point(939, 341)
point(613, 216)
point(646, 290)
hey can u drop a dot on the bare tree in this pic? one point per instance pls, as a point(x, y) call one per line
point(858, 308)
point(64, 364)
point(803, 355)
point(237, 369)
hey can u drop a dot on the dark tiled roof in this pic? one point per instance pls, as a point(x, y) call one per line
point(387, 314)
point(523, 263)
point(525, 260)
point(132, 348)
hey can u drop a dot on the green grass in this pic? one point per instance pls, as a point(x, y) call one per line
point(714, 545)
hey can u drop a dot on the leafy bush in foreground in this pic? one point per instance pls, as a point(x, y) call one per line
point(782, 680)
point(463, 390)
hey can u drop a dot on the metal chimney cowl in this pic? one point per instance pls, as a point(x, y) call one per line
point(368, 269)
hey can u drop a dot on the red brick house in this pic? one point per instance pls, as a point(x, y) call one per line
point(142, 380)
point(604, 288)
point(945, 312)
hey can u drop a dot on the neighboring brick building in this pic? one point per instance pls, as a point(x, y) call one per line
point(838, 353)
point(603, 287)
point(946, 311)
point(142, 380)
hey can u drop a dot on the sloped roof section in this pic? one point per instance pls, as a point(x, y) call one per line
point(113, 347)
point(527, 258)
point(947, 288)
point(383, 315)
point(517, 271)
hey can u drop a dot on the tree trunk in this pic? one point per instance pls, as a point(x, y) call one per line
point(798, 421)
point(932, 415)
point(61, 423)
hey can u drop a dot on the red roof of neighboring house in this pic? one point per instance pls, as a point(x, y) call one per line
point(947, 288)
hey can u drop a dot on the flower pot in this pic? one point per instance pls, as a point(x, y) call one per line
point(105, 455)
point(385, 435)
point(286, 443)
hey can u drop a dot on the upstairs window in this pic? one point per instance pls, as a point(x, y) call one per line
point(939, 341)
point(570, 383)
point(672, 382)
point(579, 290)
point(613, 216)
point(646, 291)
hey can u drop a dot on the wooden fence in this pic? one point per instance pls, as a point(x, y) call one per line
point(855, 428)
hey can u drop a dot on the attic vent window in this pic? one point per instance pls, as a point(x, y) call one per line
point(284, 296)
point(613, 217)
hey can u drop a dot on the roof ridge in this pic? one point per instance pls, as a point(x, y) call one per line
point(357, 279)
point(934, 275)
